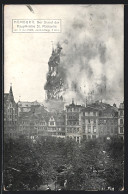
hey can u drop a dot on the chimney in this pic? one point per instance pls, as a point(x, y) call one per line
point(72, 100)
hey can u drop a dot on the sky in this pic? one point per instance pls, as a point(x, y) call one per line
point(92, 55)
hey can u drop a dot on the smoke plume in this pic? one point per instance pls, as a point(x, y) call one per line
point(92, 56)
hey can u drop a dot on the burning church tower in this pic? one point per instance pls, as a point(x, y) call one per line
point(54, 84)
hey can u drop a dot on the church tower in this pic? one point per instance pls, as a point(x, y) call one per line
point(54, 83)
point(10, 96)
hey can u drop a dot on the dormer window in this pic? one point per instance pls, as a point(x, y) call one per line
point(52, 122)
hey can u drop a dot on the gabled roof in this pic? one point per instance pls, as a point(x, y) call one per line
point(26, 104)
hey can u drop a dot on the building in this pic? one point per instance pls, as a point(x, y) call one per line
point(121, 121)
point(32, 125)
point(24, 107)
point(76, 122)
point(90, 119)
point(39, 122)
point(56, 125)
point(34, 122)
point(73, 122)
point(108, 122)
point(10, 115)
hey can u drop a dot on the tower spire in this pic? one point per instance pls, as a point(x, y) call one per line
point(11, 93)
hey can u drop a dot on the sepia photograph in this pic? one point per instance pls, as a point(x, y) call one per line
point(63, 97)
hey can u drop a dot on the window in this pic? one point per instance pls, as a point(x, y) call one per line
point(86, 114)
point(121, 121)
point(91, 113)
point(77, 139)
point(89, 137)
point(91, 120)
point(93, 136)
point(94, 113)
point(88, 120)
point(51, 122)
point(121, 112)
point(89, 129)
point(104, 121)
point(94, 121)
point(94, 129)
point(121, 130)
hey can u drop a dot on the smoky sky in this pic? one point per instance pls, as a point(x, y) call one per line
point(91, 43)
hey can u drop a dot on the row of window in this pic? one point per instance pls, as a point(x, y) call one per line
point(90, 121)
point(73, 109)
point(73, 117)
point(10, 110)
point(90, 113)
point(26, 127)
point(52, 133)
point(51, 123)
point(89, 129)
point(89, 137)
point(72, 122)
point(101, 121)
point(36, 123)
point(72, 130)
point(109, 130)
point(12, 116)
point(77, 139)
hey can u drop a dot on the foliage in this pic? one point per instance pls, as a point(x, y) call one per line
point(91, 165)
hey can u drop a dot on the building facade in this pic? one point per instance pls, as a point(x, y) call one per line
point(90, 119)
point(73, 122)
point(10, 115)
point(108, 122)
point(76, 122)
point(121, 121)
point(24, 106)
